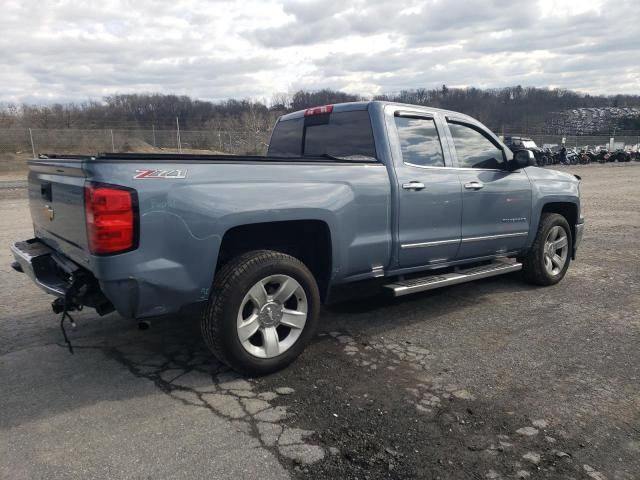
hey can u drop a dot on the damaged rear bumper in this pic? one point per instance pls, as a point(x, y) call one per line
point(152, 289)
point(59, 276)
point(36, 260)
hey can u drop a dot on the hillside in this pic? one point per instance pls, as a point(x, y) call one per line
point(515, 109)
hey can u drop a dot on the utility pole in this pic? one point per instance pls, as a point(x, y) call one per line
point(178, 135)
point(33, 148)
point(153, 132)
point(113, 144)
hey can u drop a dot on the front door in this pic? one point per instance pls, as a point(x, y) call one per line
point(430, 198)
point(496, 203)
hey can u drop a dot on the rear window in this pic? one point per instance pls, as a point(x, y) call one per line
point(343, 134)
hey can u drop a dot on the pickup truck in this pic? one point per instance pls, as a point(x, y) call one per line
point(395, 198)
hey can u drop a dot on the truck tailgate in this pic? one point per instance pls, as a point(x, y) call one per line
point(56, 201)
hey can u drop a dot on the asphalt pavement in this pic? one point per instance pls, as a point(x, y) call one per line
point(492, 379)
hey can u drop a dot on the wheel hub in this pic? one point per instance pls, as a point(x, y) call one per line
point(555, 250)
point(270, 315)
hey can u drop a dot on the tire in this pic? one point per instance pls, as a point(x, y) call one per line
point(536, 263)
point(246, 295)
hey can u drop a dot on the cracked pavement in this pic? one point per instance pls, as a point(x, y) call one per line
point(493, 379)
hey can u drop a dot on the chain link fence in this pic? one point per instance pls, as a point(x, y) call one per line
point(630, 140)
point(78, 141)
point(27, 141)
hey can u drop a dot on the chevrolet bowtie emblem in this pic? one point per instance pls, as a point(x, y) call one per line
point(49, 210)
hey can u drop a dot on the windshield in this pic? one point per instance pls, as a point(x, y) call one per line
point(343, 135)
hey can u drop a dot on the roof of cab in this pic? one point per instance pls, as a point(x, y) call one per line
point(352, 106)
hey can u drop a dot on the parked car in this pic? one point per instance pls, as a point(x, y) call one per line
point(398, 198)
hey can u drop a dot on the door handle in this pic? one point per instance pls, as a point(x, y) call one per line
point(413, 186)
point(473, 185)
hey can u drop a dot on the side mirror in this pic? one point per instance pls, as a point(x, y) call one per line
point(522, 159)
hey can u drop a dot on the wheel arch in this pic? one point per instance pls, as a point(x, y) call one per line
point(569, 210)
point(310, 241)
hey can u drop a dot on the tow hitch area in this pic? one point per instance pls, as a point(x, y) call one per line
point(73, 286)
point(57, 275)
point(67, 304)
point(82, 290)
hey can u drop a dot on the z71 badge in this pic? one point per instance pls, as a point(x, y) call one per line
point(166, 174)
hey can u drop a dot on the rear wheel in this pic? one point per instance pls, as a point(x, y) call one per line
point(262, 312)
point(548, 260)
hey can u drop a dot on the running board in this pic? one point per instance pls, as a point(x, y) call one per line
point(405, 287)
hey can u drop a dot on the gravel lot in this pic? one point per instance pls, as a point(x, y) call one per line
point(493, 379)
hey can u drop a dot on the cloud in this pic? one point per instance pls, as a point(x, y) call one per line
point(75, 50)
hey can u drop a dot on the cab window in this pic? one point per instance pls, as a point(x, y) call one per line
point(419, 141)
point(474, 149)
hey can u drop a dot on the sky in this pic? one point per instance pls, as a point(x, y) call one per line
point(64, 51)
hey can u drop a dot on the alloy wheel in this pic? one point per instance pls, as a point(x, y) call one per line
point(272, 316)
point(556, 250)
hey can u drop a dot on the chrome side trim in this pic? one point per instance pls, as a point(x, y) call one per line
point(377, 271)
point(439, 167)
point(494, 237)
point(430, 244)
point(439, 243)
point(444, 167)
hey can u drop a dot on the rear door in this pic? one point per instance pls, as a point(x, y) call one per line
point(496, 203)
point(429, 193)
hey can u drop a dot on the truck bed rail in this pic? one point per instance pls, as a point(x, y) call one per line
point(173, 157)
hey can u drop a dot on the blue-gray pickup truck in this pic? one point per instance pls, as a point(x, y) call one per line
point(384, 196)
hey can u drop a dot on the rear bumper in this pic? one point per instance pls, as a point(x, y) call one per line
point(155, 292)
point(36, 261)
point(59, 276)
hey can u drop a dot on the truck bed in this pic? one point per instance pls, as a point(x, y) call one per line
point(186, 206)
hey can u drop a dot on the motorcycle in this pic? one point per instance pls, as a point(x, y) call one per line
point(572, 158)
point(583, 158)
point(621, 156)
point(603, 156)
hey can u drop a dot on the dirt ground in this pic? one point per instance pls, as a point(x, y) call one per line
point(492, 379)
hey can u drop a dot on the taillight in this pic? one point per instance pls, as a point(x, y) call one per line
point(110, 214)
point(318, 110)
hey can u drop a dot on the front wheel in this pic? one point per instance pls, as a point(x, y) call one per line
point(548, 259)
point(262, 312)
